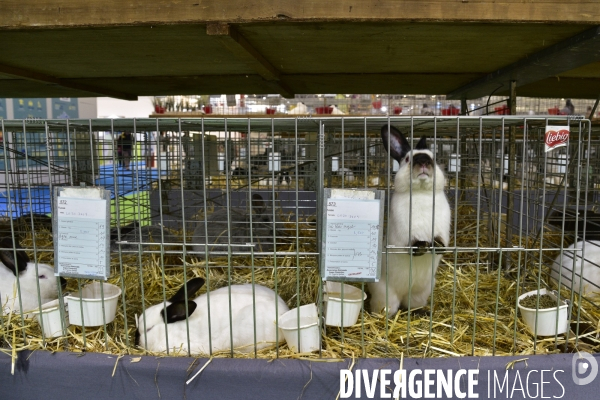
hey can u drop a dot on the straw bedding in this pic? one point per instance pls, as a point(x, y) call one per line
point(467, 317)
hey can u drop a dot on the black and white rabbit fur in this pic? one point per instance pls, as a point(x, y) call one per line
point(172, 316)
point(428, 206)
point(28, 279)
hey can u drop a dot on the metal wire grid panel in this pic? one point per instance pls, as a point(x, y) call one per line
point(228, 199)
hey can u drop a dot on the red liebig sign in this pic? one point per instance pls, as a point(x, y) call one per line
point(556, 136)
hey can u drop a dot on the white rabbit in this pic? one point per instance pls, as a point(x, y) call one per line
point(336, 111)
point(152, 322)
point(348, 174)
point(591, 267)
point(299, 109)
point(416, 167)
point(238, 164)
point(28, 280)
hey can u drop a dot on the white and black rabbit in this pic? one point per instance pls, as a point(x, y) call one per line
point(427, 209)
point(172, 316)
point(28, 280)
point(263, 227)
point(591, 267)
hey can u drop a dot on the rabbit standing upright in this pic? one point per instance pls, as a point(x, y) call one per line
point(418, 200)
point(28, 280)
point(585, 274)
point(252, 308)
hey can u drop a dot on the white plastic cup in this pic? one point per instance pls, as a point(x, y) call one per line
point(546, 318)
point(335, 164)
point(91, 299)
point(454, 163)
point(50, 316)
point(342, 313)
point(274, 161)
point(308, 326)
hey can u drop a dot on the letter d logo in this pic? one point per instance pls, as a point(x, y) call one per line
point(584, 364)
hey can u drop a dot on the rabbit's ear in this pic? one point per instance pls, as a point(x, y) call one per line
point(193, 285)
point(399, 146)
point(258, 204)
point(176, 311)
point(8, 259)
point(422, 145)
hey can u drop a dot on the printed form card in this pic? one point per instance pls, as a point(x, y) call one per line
point(352, 239)
point(82, 237)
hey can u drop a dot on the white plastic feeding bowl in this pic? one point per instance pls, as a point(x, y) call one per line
point(305, 329)
point(342, 313)
point(91, 300)
point(546, 318)
point(51, 320)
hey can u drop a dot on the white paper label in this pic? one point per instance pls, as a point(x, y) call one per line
point(82, 237)
point(352, 238)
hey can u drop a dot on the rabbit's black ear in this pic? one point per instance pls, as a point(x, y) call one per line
point(193, 285)
point(176, 311)
point(258, 204)
point(422, 145)
point(399, 146)
point(8, 259)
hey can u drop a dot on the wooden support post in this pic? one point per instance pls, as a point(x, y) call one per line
point(512, 100)
point(463, 106)
point(593, 111)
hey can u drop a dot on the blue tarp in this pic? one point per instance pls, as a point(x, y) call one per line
point(37, 199)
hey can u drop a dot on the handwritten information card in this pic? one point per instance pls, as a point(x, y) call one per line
point(352, 239)
point(81, 237)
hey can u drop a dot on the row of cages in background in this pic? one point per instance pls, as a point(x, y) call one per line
point(365, 104)
point(217, 234)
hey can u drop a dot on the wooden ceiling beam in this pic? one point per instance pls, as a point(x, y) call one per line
point(239, 46)
point(66, 83)
point(19, 14)
point(574, 52)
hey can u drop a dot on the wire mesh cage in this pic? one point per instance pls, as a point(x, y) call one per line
point(230, 208)
point(360, 105)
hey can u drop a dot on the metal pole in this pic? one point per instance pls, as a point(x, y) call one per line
point(512, 159)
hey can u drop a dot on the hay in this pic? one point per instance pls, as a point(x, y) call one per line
point(473, 304)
